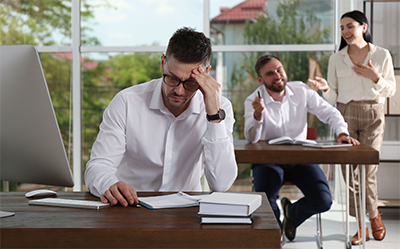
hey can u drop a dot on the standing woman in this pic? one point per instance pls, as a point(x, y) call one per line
point(360, 78)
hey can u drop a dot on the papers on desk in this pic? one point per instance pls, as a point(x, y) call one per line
point(229, 204)
point(4, 214)
point(289, 140)
point(327, 145)
point(178, 200)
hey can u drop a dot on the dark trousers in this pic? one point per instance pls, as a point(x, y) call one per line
point(309, 178)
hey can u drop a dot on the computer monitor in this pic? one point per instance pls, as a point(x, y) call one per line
point(31, 146)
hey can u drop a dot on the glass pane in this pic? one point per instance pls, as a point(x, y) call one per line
point(383, 21)
point(235, 71)
point(103, 79)
point(272, 22)
point(143, 22)
point(38, 22)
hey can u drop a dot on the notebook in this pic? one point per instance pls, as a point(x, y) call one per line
point(177, 200)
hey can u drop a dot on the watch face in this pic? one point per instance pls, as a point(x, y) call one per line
point(221, 114)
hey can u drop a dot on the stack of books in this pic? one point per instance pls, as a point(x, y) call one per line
point(228, 208)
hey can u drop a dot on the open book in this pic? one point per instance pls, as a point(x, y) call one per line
point(177, 200)
point(289, 140)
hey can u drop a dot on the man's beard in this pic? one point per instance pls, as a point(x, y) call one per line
point(274, 88)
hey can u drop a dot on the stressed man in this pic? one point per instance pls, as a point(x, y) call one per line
point(164, 134)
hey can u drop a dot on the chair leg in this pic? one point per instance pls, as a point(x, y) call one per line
point(319, 231)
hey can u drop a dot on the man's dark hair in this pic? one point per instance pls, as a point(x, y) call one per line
point(264, 60)
point(189, 46)
point(359, 17)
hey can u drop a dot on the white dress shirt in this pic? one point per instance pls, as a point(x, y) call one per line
point(289, 117)
point(345, 85)
point(141, 143)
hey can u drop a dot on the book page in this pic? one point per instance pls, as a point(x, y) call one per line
point(281, 140)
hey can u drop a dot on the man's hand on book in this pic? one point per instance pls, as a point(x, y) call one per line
point(122, 193)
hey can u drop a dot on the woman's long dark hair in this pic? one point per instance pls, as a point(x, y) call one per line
point(361, 19)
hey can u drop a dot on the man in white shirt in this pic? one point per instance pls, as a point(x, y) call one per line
point(279, 108)
point(164, 134)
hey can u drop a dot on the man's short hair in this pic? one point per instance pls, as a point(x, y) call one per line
point(189, 46)
point(262, 61)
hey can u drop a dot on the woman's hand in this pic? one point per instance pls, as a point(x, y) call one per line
point(319, 83)
point(367, 71)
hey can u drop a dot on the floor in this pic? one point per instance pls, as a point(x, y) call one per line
point(333, 230)
point(333, 226)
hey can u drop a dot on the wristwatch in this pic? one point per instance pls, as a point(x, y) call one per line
point(343, 134)
point(219, 116)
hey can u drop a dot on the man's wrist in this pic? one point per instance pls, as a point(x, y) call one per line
point(343, 134)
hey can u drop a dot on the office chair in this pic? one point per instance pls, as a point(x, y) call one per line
point(311, 135)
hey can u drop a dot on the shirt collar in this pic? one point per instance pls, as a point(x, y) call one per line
point(269, 99)
point(346, 57)
point(343, 51)
point(157, 102)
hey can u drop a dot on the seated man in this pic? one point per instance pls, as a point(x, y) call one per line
point(164, 134)
point(279, 108)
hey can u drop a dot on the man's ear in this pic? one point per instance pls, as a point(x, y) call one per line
point(162, 63)
point(208, 69)
point(260, 80)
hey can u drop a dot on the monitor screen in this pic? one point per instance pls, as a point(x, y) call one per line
point(31, 147)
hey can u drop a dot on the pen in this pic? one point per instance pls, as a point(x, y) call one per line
point(259, 94)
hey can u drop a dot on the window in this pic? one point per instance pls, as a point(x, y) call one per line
point(122, 41)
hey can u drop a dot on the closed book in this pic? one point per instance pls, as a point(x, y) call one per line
point(226, 220)
point(229, 204)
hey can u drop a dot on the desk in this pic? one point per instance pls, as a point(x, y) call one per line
point(118, 227)
point(262, 152)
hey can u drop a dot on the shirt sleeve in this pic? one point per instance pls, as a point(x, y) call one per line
point(220, 165)
point(332, 93)
point(326, 112)
point(386, 85)
point(252, 127)
point(108, 149)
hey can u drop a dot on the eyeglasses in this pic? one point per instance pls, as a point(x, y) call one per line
point(189, 85)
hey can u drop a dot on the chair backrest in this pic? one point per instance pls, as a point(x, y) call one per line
point(312, 133)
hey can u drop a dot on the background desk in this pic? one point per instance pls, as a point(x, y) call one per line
point(262, 152)
point(118, 227)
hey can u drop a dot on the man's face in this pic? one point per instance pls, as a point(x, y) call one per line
point(273, 76)
point(176, 99)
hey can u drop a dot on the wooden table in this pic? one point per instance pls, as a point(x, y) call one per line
point(262, 152)
point(131, 227)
